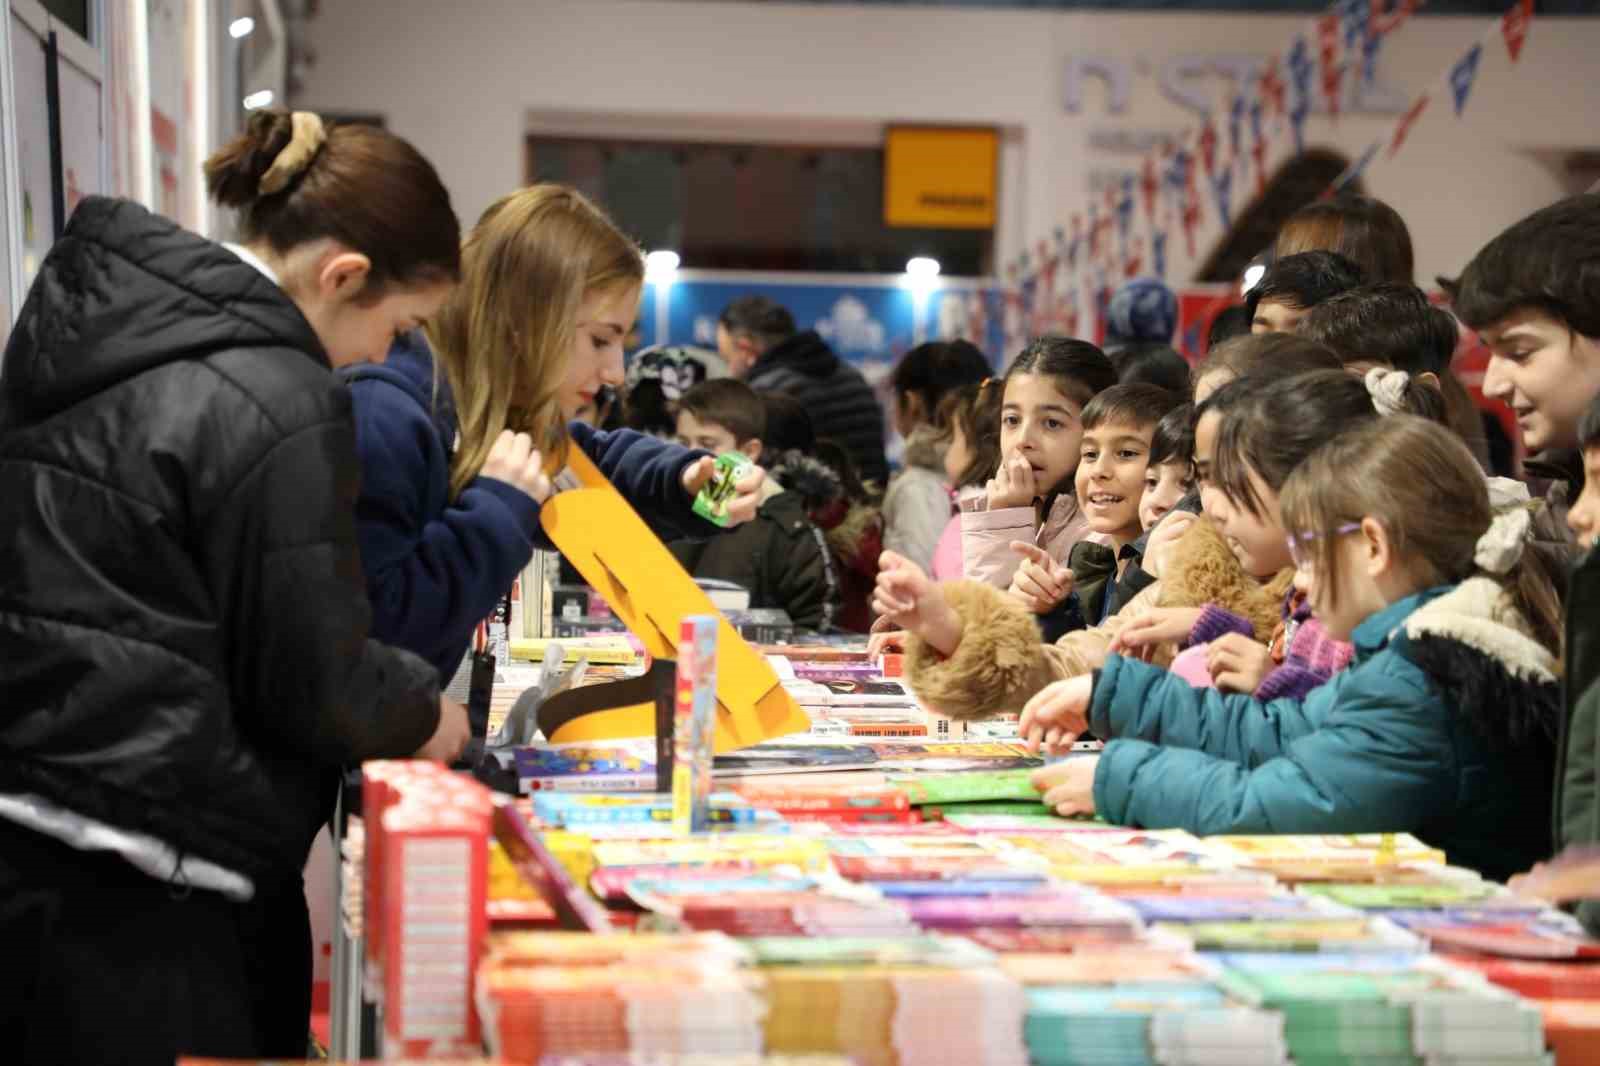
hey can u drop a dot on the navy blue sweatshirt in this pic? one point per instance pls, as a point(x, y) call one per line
point(434, 567)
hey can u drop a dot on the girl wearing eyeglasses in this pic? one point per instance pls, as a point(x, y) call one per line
point(1444, 725)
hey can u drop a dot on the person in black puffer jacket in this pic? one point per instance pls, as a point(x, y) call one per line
point(184, 660)
point(759, 340)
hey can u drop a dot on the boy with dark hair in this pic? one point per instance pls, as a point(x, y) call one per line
point(1170, 475)
point(779, 556)
point(1533, 293)
point(1385, 324)
point(1295, 284)
point(1118, 425)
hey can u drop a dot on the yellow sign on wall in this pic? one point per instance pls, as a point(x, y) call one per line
point(940, 178)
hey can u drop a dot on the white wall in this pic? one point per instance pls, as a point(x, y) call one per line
point(465, 80)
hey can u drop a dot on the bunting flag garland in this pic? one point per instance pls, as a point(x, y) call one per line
point(1222, 188)
point(1270, 93)
point(1125, 209)
point(1514, 27)
point(1408, 120)
point(1332, 68)
point(1066, 283)
point(1258, 147)
point(1208, 146)
point(1236, 113)
point(1191, 209)
point(1354, 170)
point(1300, 67)
point(1355, 16)
point(1463, 74)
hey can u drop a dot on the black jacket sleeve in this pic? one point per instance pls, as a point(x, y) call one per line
point(304, 672)
point(800, 574)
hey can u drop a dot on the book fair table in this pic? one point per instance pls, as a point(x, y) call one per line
point(885, 900)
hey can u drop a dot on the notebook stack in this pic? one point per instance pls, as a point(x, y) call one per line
point(574, 994)
point(1382, 1009)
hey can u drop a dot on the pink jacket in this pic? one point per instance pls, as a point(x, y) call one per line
point(986, 535)
point(947, 553)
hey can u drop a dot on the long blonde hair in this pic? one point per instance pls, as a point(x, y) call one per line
point(505, 337)
point(1419, 480)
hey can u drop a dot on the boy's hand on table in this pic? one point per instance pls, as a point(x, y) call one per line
point(1056, 716)
point(1068, 786)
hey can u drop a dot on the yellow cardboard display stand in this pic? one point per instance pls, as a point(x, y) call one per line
point(645, 586)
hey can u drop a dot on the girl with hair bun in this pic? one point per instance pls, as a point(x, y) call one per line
point(185, 661)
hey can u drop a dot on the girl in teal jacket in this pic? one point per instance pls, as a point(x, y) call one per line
point(1443, 725)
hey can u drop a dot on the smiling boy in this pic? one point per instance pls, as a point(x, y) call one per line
point(1118, 425)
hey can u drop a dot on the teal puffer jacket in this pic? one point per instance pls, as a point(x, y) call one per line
point(1443, 726)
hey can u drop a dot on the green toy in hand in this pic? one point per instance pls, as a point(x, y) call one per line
point(712, 502)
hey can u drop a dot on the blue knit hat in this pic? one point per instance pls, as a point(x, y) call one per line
point(1141, 311)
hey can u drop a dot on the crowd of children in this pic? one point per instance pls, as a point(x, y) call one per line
point(1410, 673)
point(261, 494)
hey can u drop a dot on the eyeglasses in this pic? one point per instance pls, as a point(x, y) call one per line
point(1298, 541)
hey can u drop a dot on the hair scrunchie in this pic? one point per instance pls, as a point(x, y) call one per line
point(1500, 547)
point(309, 135)
point(1387, 389)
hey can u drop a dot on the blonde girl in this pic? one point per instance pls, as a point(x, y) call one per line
point(455, 428)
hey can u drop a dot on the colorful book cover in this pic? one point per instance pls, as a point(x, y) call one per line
point(694, 719)
point(824, 797)
point(1309, 935)
point(969, 786)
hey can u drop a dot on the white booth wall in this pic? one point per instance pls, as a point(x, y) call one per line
point(466, 82)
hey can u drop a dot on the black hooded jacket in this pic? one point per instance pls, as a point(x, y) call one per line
point(183, 624)
point(843, 406)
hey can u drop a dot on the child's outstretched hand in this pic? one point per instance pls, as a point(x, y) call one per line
point(1057, 714)
point(1013, 485)
point(1068, 786)
point(747, 490)
point(1574, 874)
point(1041, 583)
point(1162, 625)
point(1167, 532)
point(886, 642)
point(909, 599)
point(1237, 663)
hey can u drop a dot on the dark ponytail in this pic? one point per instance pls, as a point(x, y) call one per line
point(362, 186)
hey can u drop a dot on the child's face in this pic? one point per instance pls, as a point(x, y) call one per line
point(1044, 426)
point(604, 318)
point(1164, 486)
point(1256, 541)
point(712, 436)
point(1277, 316)
point(1547, 373)
point(957, 455)
point(1584, 517)
point(1110, 477)
point(1343, 603)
